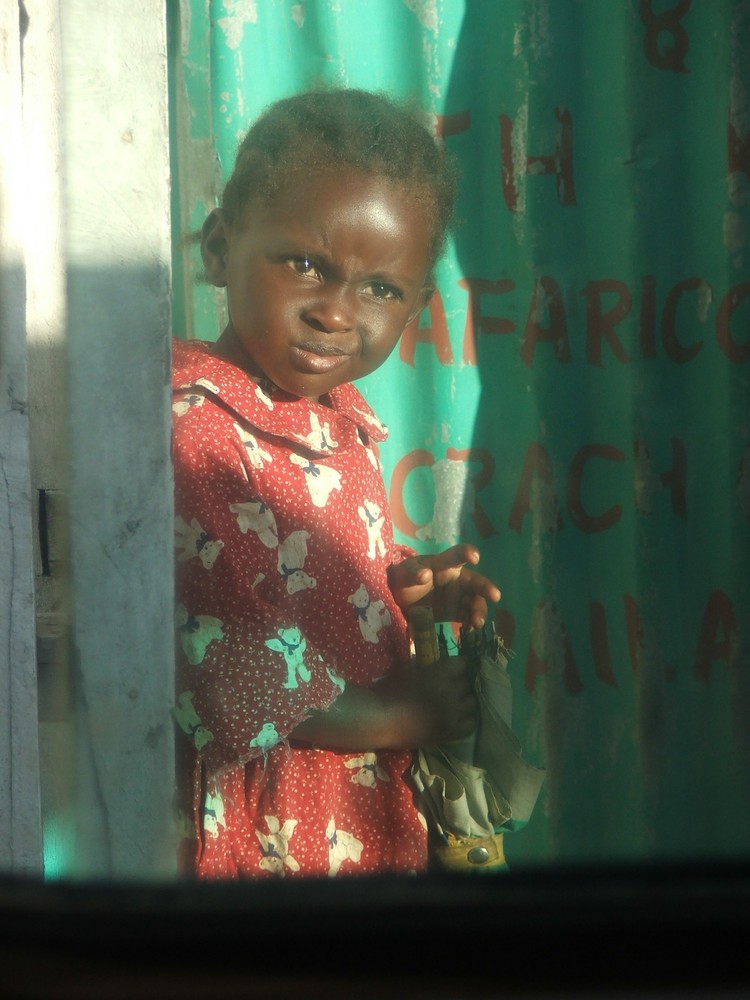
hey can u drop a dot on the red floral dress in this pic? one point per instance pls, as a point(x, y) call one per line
point(283, 541)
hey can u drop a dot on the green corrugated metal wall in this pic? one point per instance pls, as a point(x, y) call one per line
point(576, 401)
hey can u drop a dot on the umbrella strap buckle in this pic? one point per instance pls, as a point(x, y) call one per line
point(469, 853)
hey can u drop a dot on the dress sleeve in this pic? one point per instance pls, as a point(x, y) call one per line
point(402, 552)
point(247, 674)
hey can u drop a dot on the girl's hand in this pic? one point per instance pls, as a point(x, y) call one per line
point(428, 704)
point(412, 706)
point(445, 583)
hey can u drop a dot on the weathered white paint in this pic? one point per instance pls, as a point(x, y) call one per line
point(48, 415)
point(85, 363)
point(20, 830)
point(45, 264)
point(117, 249)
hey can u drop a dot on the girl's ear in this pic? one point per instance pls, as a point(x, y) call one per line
point(424, 298)
point(214, 247)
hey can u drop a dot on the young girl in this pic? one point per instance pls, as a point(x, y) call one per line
point(296, 694)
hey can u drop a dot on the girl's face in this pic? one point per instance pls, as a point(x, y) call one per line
point(322, 279)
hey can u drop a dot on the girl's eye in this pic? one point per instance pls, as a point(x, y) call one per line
point(303, 266)
point(381, 291)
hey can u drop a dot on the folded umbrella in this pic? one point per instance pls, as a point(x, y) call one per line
point(477, 789)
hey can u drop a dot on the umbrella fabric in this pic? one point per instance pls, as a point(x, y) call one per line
point(480, 787)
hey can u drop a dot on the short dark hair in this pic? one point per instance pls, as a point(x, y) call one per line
point(327, 129)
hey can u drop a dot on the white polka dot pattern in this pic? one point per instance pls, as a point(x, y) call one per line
point(283, 542)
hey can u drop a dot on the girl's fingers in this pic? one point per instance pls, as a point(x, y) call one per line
point(455, 557)
point(480, 586)
point(447, 582)
point(410, 572)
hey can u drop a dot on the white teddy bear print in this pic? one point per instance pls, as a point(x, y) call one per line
point(267, 738)
point(370, 419)
point(185, 403)
point(191, 540)
point(213, 813)
point(374, 520)
point(255, 515)
point(368, 772)
point(335, 679)
point(263, 397)
point(371, 615)
point(255, 453)
point(197, 632)
point(372, 457)
point(190, 722)
point(292, 645)
point(320, 437)
point(190, 399)
point(206, 383)
point(342, 846)
point(291, 562)
point(274, 846)
point(321, 480)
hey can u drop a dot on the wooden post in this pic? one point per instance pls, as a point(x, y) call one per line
point(20, 824)
point(117, 248)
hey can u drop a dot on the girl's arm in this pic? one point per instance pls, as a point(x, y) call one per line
point(413, 706)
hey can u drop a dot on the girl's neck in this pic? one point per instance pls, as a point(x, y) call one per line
point(229, 348)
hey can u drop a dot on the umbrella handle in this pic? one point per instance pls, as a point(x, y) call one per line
point(423, 633)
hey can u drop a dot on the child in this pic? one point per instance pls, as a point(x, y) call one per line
point(296, 694)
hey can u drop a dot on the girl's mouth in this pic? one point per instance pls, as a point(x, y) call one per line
point(316, 358)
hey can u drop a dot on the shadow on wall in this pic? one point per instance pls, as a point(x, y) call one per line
point(612, 415)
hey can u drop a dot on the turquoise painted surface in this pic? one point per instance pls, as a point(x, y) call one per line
point(577, 401)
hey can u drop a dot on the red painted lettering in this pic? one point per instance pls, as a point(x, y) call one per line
point(600, 643)
point(717, 640)
point(548, 647)
point(675, 479)
point(475, 320)
point(537, 487)
point(665, 22)
point(436, 334)
point(420, 458)
point(600, 325)
point(505, 627)
point(648, 316)
point(405, 465)
point(738, 150)
point(675, 350)
point(560, 163)
point(546, 299)
point(446, 125)
point(634, 629)
point(546, 320)
point(587, 522)
point(734, 351)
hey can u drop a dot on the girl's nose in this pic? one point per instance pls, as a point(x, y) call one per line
point(333, 309)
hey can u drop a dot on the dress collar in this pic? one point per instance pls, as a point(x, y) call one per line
point(319, 427)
